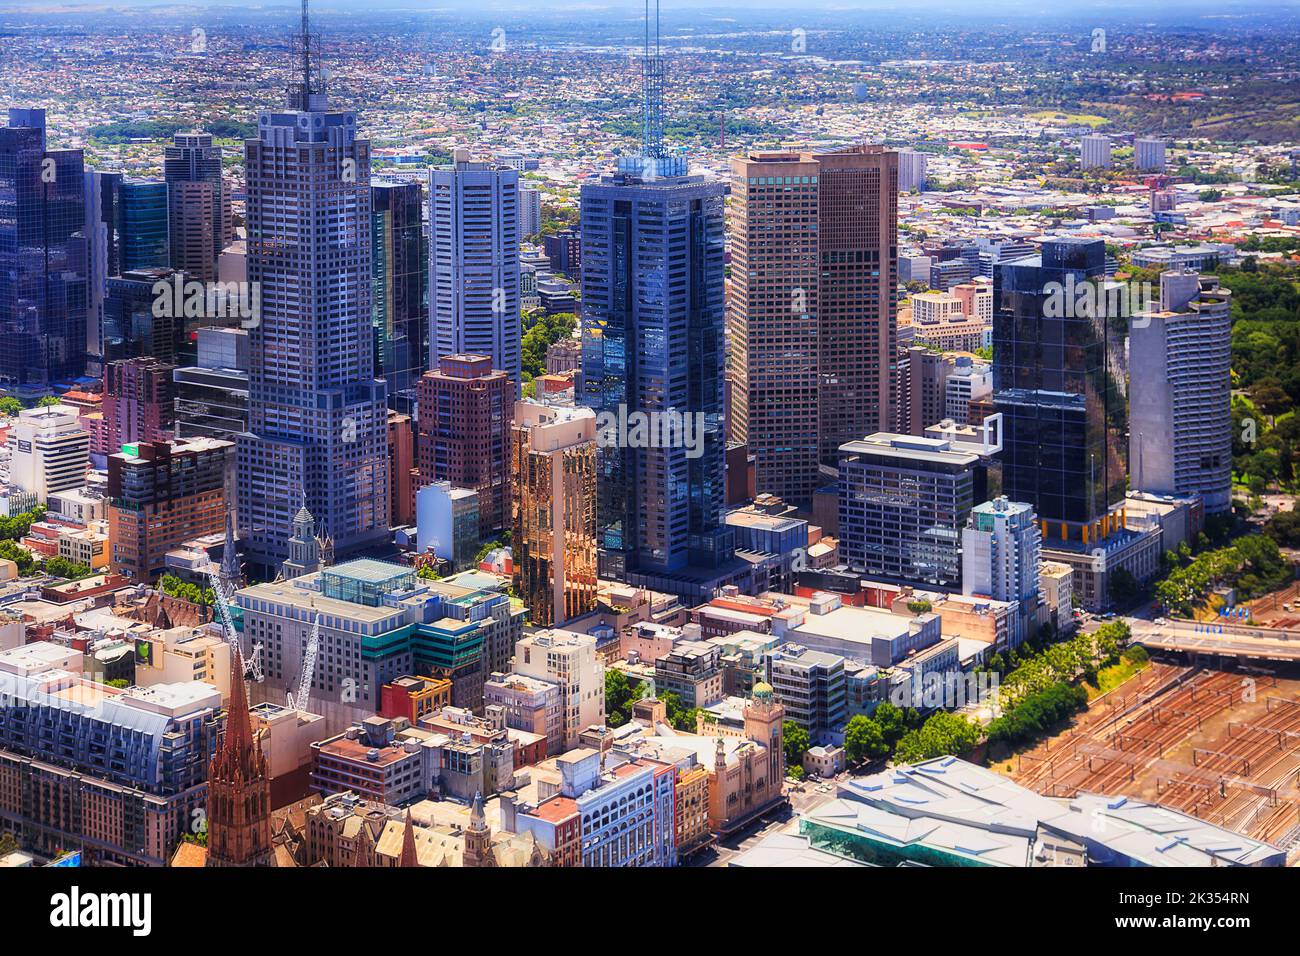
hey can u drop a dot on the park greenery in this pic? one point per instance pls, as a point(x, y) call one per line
point(1038, 712)
point(545, 331)
point(1251, 564)
point(20, 556)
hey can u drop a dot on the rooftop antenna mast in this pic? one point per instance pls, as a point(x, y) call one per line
point(652, 67)
point(306, 54)
point(305, 89)
point(653, 162)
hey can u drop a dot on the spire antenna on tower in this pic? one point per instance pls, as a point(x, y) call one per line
point(653, 162)
point(306, 52)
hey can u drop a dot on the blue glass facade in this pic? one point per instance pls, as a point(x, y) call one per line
point(43, 256)
point(653, 341)
point(145, 224)
point(1057, 370)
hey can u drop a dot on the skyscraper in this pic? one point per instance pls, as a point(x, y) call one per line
point(1057, 371)
point(653, 342)
point(1180, 416)
point(317, 415)
point(399, 269)
point(474, 263)
point(553, 468)
point(43, 257)
point(199, 204)
point(811, 308)
point(464, 432)
point(145, 233)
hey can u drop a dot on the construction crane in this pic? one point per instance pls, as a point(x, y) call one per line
point(253, 662)
point(298, 701)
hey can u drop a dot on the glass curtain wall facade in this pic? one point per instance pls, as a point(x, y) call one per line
point(1057, 378)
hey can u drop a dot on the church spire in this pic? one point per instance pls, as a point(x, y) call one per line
point(239, 788)
point(409, 856)
point(231, 573)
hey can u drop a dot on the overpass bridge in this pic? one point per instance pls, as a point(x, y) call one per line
point(1227, 640)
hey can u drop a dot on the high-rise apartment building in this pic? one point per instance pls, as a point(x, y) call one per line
point(1057, 370)
point(903, 504)
point(553, 466)
point(530, 211)
point(474, 263)
point(317, 416)
point(139, 402)
point(1149, 154)
point(911, 170)
point(1001, 552)
point(199, 204)
point(43, 258)
point(1180, 416)
point(399, 267)
point(464, 432)
point(162, 494)
point(1094, 151)
point(811, 310)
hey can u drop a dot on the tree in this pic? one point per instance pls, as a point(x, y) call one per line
point(1123, 587)
point(19, 556)
point(17, 526)
point(941, 735)
point(10, 405)
point(47, 401)
point(620, 695)
point(796, 743)
point(864, 740)
point(892, 721)
point(69, 570)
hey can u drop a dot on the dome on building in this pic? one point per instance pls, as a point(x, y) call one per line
point(763, 690)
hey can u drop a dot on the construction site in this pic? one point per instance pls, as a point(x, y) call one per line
point(1223, 745)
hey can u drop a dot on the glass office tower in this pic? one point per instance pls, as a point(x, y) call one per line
point(400, 272)
point(43, 257)
point(145, 228)
point(1058, 380)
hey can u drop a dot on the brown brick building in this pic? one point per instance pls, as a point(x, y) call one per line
point(465, 408)
point(166, 494)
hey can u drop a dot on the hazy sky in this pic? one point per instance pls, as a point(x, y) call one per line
point(972, 8)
